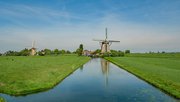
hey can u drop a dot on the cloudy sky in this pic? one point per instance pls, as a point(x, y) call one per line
point(140, 25)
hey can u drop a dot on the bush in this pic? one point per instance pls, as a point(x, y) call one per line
point(115, 53)
point(47, 51)
point(56, 52)
point(127, 51)
point(12, 53)
point(107, 54)
point(121, 54)
point(68, 52)
point(41, 53)
point(24, 52)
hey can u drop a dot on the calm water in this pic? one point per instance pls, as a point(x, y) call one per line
point(98, 81)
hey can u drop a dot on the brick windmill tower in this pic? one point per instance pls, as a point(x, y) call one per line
point(105, 44)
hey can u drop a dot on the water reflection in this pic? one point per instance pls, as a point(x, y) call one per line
point(105, 69)
point(81, 68)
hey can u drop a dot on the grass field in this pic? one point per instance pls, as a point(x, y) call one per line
point(23, 75)
point(154, 55)
point(161, 70)
point(1, 99)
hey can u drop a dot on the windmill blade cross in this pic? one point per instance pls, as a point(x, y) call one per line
point(114, 41)
point(98, 40)
point(106, 33)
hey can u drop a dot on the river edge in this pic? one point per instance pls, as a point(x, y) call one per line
point(33, 91)
point(144, 78)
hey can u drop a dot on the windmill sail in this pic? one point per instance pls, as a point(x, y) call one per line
point(33, 43)
point(106, 33)
point(113, 41)
point(97, 40)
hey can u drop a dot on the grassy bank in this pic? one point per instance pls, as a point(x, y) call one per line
point(154, 55)
point(2, 100)
point(24, 75)
point(163, 72)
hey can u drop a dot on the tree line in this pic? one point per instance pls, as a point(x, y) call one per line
point(26, 52)
point(54, 52)
point(79, 52)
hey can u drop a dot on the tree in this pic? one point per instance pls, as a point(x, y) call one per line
point(120, 53)
point(127, 51)
point(75, 52)
point(81, 46)
point(68, 52)
point(79, 51)
point(98, 51)
point(11, 53)
point(114, 53)
point(56, 52)
point(47, 51)
point(24, 52)
point(41, 53)
point(163, 52)
point(62, 51)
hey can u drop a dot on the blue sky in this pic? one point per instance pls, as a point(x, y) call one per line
point(140, 25)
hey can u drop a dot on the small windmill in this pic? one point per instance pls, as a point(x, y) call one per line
point(105, 44)
point(33, 49)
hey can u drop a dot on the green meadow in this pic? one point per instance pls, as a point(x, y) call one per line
point(161, 70)
point(1, 99)
point(21, 75)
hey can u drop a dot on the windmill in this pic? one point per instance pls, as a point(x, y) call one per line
point(33, 49)
point(105, 44)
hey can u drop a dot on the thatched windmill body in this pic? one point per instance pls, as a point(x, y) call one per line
point(105, 44)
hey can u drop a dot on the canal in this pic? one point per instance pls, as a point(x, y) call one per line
point(98, 81)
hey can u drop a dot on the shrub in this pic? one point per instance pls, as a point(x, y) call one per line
point(127, 51)
point(115, 53)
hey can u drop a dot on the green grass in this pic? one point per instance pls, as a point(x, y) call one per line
point(163, 71)
point(24, 75)
point(154, 55)
point(2, 99)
